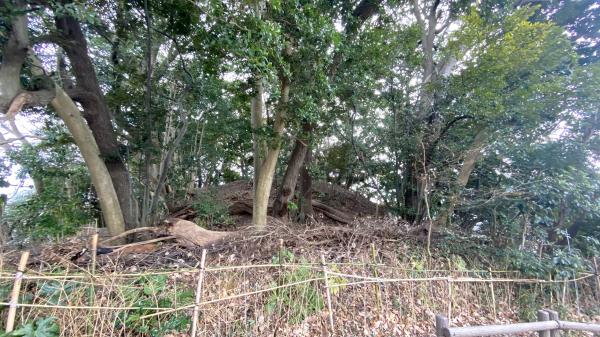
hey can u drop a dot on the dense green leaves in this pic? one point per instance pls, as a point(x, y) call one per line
point(494, 126)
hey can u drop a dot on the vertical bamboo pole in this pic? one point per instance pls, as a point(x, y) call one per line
point(543, 316)
point(597, 278)
point(376, 286)
point(441, 323)
point(198, 294)
point(493, 293)
point(327, 293)
point(14, 296)
point(91, 291)
point(578, 307)
point(449, 313)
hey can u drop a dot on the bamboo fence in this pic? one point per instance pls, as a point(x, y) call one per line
point(300, 299)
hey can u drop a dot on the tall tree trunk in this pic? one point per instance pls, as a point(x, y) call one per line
point(411, 191)
point(290, 178)
point(362, 12)
point(264, 182)
point(306, 208)
point(107, 195)
point(470, 160)
point(15, 50)
point(259, 146)
point(97, 113)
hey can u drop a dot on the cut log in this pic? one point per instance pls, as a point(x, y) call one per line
point(332, 213)
point(189, 234)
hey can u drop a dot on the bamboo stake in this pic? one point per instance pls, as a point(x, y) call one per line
point(14, 297)
point(91, 291)
point(597, 278)
point(328, 294)
point(449, 313)
point(493, 294)
point(376, 286)
point(198, 294)
point(578, 307)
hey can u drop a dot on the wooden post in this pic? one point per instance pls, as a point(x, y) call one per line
point(577, 306)
point(597, 278)
point(449, 313)
point(493, 293)
point(376, 286)
point(14, 296)
point(543, 316)
point(553, 315)
point(93, 249)
point(328, 294)
point(441, 323)
point(198, 294)
point(91, 292)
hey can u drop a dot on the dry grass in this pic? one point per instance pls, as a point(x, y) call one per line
point(272, 284)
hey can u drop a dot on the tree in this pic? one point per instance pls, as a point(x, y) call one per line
point(14, 98)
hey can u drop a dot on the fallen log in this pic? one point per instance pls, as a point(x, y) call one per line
point(332, 213)
point(189, 234)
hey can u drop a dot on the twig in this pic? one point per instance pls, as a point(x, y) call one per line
point(120, 248)
point(131, 231)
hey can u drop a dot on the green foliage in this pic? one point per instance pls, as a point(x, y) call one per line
point(65, 201)
point(210, 210)
point(42, 327)
point(56, 293)
point(299, 301)
point(155, 292)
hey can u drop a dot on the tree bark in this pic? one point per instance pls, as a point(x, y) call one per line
point(361, 13)
point(264, 180)
point(258, 146)
point(107, 195)
point(67, 110)
point(97, 114)
point(470, 160)
point(290, 179)
point(306, 190)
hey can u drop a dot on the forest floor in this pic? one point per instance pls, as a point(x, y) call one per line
point(270, 282)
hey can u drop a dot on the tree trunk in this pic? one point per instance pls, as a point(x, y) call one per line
point(411, 195)
point(107, 195)
point(306, 208)
point(361, 13)
point(471, 157)
point(290, 179)
point(16, 49)
point(258, 146)
point(264, 180)
point(97, 114)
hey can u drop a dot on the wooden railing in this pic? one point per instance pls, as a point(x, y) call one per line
point(548, 325)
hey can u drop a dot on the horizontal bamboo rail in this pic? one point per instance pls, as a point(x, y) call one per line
point(544, 326)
